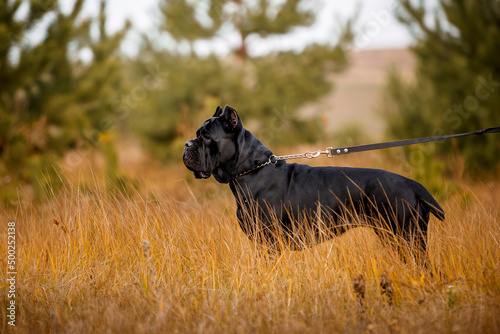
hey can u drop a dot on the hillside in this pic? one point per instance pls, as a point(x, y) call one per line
point(357, 90)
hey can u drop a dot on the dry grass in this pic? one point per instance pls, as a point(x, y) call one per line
point(91, 261)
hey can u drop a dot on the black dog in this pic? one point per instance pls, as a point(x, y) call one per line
point(304, 200)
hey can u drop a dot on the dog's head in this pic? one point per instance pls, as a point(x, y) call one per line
point(214, 146)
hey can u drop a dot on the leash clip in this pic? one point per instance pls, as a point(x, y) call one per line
point(311, 155)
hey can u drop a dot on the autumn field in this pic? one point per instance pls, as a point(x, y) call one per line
point(169, 256)
point(104, 230)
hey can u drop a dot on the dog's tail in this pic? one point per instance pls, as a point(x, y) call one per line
point(427, 202)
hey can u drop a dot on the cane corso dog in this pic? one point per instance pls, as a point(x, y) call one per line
point(284, 204)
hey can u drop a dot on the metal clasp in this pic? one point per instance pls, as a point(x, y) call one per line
point(310, 155)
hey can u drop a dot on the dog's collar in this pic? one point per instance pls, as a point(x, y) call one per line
point(272, 160)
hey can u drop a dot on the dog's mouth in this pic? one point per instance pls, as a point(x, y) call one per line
point(197, 173)
point(201, 175)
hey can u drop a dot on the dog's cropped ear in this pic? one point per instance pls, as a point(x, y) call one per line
point(231, 118)
point(218, 112)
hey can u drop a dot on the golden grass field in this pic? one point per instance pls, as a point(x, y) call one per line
point(170, 257)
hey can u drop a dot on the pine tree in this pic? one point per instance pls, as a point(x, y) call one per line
point(50, 101)
point(268, 90)
point(457, 81)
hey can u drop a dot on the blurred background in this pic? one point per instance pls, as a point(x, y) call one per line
point(118, 86)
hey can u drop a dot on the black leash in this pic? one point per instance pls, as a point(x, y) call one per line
point(331, 152)
point(369, 147)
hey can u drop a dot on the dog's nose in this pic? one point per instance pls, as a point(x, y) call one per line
point(188, 144)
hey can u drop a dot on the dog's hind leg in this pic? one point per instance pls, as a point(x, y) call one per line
point(415, 233)
point(404, 228)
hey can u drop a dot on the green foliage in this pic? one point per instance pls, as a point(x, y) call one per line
point(267, 90)
point(50, 100)
point(457, 81)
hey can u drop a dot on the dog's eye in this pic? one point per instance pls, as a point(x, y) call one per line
point(206, 138)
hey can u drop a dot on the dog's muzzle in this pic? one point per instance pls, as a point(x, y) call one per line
point(191, 159)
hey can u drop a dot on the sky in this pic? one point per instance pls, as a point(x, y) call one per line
point(376, 26)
